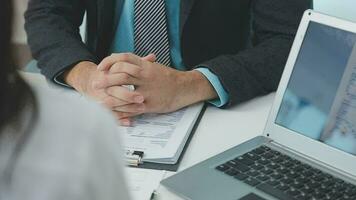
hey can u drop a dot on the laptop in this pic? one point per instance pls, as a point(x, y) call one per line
point(308, 147)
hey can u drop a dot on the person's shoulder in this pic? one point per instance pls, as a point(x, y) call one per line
point(71, 136)
point(69, 118)
point(69, 111)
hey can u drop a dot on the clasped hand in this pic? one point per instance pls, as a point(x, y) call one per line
point(158, 88)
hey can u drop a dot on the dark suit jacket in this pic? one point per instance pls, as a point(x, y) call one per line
point(244, 42)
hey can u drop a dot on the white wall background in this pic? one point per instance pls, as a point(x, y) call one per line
point(19, 35)
point(340, 8)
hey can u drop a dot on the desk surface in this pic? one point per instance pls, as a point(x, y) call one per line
point(218, 131)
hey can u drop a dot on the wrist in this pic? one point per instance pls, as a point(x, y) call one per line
point(79, 75)
point(197, 87)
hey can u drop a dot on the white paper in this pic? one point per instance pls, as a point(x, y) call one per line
point(161, 136)
point(143, 182)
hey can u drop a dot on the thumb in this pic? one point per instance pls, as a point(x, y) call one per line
point(150, 58)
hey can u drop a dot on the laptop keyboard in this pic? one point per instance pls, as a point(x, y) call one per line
point(286, 178)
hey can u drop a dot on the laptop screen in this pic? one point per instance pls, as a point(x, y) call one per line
point(320, 99)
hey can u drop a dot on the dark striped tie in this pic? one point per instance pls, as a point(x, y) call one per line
point(150, 30)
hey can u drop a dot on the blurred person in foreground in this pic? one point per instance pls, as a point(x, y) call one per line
point(53, 147)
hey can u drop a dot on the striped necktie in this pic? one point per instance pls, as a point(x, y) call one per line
point(150, 30)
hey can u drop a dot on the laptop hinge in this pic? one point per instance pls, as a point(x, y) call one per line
point(315, 161)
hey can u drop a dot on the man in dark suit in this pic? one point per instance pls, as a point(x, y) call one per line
point(222, 51)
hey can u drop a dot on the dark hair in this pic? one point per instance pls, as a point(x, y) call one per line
point(16, 95)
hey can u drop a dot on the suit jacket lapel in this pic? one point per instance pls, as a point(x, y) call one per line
point(185, 8)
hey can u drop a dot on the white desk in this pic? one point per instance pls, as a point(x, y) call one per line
point(218, 131)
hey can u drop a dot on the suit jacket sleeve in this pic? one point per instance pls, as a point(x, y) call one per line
point(52, 27)
point(257, 70)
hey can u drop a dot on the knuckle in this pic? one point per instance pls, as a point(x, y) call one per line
point(105, 60)
point(131, 96)
point(124, 67)
point(136, 71)
point(125, 56)
point(124, 77)
point(105, 81)
point(109, 102)
point(110, 91)
point(115, 68)
point(120, 115)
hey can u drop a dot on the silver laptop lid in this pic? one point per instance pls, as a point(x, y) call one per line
point(314, 112)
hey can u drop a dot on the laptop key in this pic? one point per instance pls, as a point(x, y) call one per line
point(283, 170)
point(308, 173)
point(288, 164)
point(273, 183)
point(252, 181)
point(316, 171)
point(328, 183)
point(241, 167)
point(232, 172)
point(253, 173)
point(298, 169)
point(268, 155)
point(252, 156)
point(303, 197)
point(264, 161)
point(351, 193)
point(307, 190)
point(267, 171)
point(263, 178)
point(302, 180)
point(276, 176)
point(265, 148)
point(292, 174)
point(277, 159)
point(257, 166)
point(231, 163)
point(339, 188)
point(293, 192)
point(324, 190)
point(245, 161)
point(286, 180)
point(241, 176)
point(318, 178)
point(273, 166)
point(222, 167)
point(313, 184)
point(274, 192)
point(275, 152)
point(282, 187)
point(319, 195)
point(258, 151)
point(297, 185)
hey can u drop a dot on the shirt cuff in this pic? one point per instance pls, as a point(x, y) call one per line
point(58, 79)
point(215, 82)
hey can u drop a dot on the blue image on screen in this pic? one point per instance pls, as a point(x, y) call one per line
point(314, 82)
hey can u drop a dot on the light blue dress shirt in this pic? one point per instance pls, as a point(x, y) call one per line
point(124, 42)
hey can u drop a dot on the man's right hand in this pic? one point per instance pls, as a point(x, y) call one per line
point(84, 76)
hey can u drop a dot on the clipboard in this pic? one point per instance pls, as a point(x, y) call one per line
point(137, 155)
